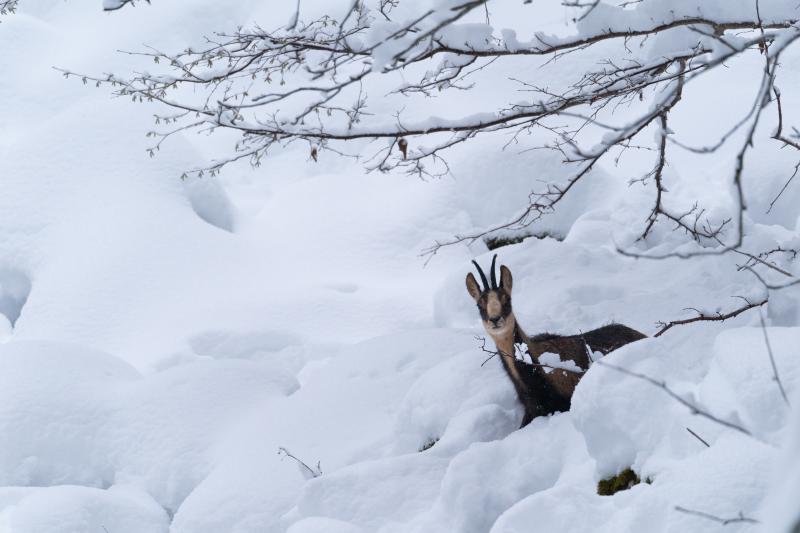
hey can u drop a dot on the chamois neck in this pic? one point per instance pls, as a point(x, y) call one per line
point(519, 333)
point(505, 345)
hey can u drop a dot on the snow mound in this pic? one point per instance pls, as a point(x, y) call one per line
point(74, 509)
point(70, 415)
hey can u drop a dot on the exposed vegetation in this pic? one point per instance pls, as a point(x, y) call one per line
point(622, 481)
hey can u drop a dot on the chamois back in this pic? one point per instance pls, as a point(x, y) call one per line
point(575, 348)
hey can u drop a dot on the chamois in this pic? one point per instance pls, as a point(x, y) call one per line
point(541, 389)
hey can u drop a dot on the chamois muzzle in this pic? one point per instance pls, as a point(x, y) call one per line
point(498, 323)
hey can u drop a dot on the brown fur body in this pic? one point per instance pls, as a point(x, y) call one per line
point(576, 348)
point(552, 391)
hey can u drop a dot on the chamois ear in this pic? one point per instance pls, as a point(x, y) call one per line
point(505, 278)
point(473, 288)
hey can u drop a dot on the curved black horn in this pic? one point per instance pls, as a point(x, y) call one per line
point(483, 276)
point(494, 279)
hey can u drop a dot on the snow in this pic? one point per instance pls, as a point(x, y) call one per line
point(161, 340)
point(552, 361)
point(75, 509)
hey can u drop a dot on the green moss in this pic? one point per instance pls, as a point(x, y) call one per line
point(428, 444)
point(622, 481)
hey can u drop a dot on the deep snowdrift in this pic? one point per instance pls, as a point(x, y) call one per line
point(162, 339)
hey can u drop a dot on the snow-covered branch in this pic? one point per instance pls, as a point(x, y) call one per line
point(312, 81)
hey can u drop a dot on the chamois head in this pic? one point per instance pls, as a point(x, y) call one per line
point(494, 302)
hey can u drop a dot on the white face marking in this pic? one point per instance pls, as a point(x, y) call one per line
point(496, 324)
point(493, 306)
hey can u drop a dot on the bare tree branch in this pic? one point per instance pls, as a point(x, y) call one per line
point(787, 141)
point(772, 286)
point(695, 410)
point(723, 521)
point(709, 317)
point(775, 375)
point(752, 259)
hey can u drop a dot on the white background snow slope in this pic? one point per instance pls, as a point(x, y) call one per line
point(160, 340)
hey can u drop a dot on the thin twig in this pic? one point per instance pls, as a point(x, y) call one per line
point(695, 410)
point(724, 521)
point(313, 472)
point(775, 374)
point(771, 286)
point(698, 437)
point(761, 261)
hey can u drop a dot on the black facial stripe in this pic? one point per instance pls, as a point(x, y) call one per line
point(482, 309)
point(506, 306)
